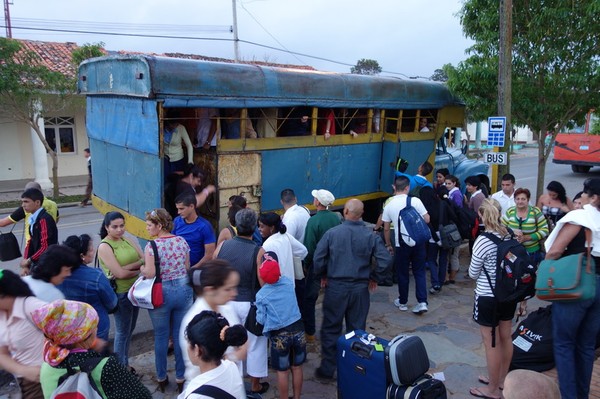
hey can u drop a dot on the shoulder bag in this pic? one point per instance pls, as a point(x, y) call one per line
point(147, 293)
point(251, 324)
point(9, 246)
point(571, 278)
point(449, 234)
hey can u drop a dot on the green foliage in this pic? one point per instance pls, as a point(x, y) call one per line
point(555, 64)
point(439, 75)
point(86, 51)
point(366, 66)
point(595, 125)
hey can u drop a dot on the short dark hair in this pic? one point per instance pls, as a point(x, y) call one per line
point(238, 200)
point(232, 212)
point(426, 168)
point(443, 171)
point(401, 182)
point(87, 150)
point(288, 196)
point(186, 199)
point(194, 170)
point(507, 177)
point(473, 181)
point(591, 186)
point(33, 194)
point(52, 261)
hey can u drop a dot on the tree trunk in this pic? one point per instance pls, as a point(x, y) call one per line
point(53, 156)
point(541, 169)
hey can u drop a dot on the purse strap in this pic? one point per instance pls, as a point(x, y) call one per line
point(588, 243)
point(156, 261)
point(254, 272)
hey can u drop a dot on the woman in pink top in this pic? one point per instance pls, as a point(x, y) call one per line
point(21, 343)
point(174, 257)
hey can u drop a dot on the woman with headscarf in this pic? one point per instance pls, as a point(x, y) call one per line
point(21, 342)
point(70, 331)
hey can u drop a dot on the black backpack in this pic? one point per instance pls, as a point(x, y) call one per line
point(515, 275)
point(467, 221)
point(533, 342)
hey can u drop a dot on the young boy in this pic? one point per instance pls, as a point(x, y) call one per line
point(278, 311)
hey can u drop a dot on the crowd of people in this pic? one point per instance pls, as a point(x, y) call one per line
point(271, 269)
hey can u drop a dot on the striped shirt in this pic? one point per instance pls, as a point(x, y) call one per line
point(534, 224)
point(484, 255)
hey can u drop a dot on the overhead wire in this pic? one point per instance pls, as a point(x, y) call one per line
point(184, 37)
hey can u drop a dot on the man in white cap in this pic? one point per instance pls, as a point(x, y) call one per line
point(316, 227)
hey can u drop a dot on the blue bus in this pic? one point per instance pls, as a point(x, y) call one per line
point(279, 128)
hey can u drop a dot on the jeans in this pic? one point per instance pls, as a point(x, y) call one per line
point(312, 286)
point(414, 257)
point(125, 319)
point(437, 259)
point(166, 321)
point(575, 326)
point(343, 300)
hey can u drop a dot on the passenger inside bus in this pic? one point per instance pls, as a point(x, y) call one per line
point(297, 126)
point(423, 125)
point(326, 124)
point(174, 135)
point(358, 125)
point(208, 130)
point(231, 125)
point(189, 183)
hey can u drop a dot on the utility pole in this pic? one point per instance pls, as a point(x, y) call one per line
point(7, 19)
point(236, 44)
point(504, 84)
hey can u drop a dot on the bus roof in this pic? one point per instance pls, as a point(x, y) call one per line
point(194, 83)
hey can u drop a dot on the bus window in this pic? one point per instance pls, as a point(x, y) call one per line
point(233, 121)
point(266, 122)
point(391, 120)
point(427, 120)
point(409, 121)
point(326, 123)
point(296, 122)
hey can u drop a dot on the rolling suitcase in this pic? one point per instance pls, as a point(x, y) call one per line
point(361, 372)
point(406, 359)
point(424, 388)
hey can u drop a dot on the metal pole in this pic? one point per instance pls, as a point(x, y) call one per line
point(504, 83)
point(236, 48)
point(7, 19)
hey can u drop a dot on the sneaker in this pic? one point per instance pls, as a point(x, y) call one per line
point(435, 290)
point(402, 306)
point(420, 308)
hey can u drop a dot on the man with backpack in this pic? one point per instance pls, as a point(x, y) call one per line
point(411, 218)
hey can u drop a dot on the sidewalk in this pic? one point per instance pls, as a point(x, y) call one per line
point(11, 190)
point(450, 335)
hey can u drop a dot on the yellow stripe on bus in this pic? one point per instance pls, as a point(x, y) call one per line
point(134, 225)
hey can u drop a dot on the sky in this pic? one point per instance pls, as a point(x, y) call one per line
point(407, 37)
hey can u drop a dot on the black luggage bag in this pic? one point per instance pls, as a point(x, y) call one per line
point(424, 388)
point(406, 359)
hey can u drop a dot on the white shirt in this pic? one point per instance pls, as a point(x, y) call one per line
point(588, 217)
point(504, 200)
point(295, 220)
point(25, 342)
point(206, 117)
point(200, 305)
point(286, 247)
point(225, 376)
point(392, 211)
point(43, 290)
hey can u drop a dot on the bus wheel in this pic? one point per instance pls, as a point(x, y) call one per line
point(580, 168)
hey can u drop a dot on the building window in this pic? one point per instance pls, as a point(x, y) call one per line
point(60, 134)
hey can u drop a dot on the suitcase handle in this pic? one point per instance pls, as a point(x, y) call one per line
point(362, 350)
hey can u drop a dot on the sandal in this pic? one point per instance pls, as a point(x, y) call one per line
point(264, 387)
point(478, 394)
point(485, 380)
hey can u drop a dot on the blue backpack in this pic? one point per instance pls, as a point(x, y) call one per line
point(414, 223)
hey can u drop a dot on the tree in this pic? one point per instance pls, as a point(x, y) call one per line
point(29, 90)
point(555, 72)
point(87, 50)
point(366, 66)
point(439, 75)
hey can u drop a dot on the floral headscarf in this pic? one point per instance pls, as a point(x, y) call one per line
point(64, 323)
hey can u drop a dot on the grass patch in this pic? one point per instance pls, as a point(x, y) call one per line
point(63, 199)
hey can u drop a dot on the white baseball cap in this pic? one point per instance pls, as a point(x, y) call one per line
point(323, 196)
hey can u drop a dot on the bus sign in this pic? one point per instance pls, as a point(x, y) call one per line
point(496, 158)
point(496, 131)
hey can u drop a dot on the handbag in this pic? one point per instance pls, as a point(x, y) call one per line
point(571, 278)
point(298, 270)
point(449, 234)
point(251, 324)
point(147, 293)
point(9, 246)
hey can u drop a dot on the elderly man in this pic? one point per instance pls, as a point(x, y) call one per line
point(343, 261)
point(316, 227)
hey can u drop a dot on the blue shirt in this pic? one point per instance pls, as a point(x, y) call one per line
point(276, 305)
point(415, 181)
point(90, 285)
point(196, 234)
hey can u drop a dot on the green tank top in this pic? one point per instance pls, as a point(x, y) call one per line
point(125, 254)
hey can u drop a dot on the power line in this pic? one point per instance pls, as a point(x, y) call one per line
point(155, 36)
